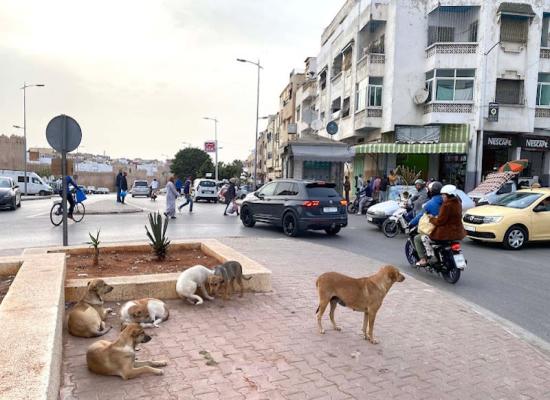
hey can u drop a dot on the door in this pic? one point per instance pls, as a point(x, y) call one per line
point(284, 192)
point(260, 206)
point(35, 185)
point(541, 220)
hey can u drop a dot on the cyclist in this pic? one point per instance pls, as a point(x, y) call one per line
point(70, 197)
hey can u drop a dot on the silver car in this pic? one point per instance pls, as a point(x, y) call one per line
point(140, 188)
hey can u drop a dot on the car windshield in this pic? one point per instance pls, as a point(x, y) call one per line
point(4, 183)
point(207, 184)
point(140, 183)
point(321, 191)
point(518, 199)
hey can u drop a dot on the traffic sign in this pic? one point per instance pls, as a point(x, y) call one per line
point(63, 133)
point(210, 146)
point(332, 128)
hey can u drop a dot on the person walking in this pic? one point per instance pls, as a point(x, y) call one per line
point(384, 183)
point(230, 195)
point(123, 187)
point(376, 188)
point(347, 188)
point(187, 195)
point(171, 196)
point(179, 185)
point(118, 180)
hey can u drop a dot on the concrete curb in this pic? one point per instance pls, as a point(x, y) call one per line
point(32, 198)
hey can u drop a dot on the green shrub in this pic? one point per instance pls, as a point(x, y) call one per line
point(157, 235)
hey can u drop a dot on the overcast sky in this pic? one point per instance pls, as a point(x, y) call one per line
point(139, 75)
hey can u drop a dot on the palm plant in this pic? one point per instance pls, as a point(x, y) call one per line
point(408, 175)
point(157, 235)
point(94, 243)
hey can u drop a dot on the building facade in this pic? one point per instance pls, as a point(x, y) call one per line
point(12, 152)
point(410, 83)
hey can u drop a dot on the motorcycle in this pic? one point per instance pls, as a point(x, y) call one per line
point(397, 222)
point(448, 260)
point(353, 207)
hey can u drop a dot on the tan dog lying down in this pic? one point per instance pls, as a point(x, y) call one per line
point(119, 357)
point(87, 317)
point(359, 294)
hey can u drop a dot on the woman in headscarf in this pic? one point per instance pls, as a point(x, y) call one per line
point(171, 196)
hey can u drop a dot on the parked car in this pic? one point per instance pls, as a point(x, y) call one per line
point(102, 190)
point(91, 190)
point(514, 220)
point(10, 195)
point(35, 184)
point(205, 189)
point(140, 188)
point(296, 206)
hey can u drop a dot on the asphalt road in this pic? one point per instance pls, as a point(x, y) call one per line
point(512, 285)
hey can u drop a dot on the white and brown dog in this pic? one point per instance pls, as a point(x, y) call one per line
point(149, 313)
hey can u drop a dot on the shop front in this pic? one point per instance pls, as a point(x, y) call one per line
point(498, 148)
point(536, 149)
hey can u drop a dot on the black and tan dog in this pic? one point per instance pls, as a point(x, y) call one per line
point(359, 294)
point(87, 317)
point(119, 357)
point(230, 272)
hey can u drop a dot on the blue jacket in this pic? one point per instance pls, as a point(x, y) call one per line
point(187, 187)
point(431, 207)
point(70, 181)
point(179, 184)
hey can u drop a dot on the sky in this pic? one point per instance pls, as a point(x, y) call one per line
point(139, 76)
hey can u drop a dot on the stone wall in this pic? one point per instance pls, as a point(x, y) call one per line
point(12, 149)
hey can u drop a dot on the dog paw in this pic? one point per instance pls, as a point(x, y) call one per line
point(322, 331)
point(372, 340)
point(159, 372)
point(161, 363)
point(337, 328)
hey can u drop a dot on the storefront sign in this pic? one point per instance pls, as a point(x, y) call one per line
point(499, 141)
point(493, 112)
point(535, 143)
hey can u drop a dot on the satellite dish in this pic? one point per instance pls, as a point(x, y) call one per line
point(316, 124)
point(421, 96)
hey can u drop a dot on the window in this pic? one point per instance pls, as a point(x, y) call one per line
point(269, 155)
point(345, 107)
point(337, 65)
point(346, 57)
point(336, 104)
point(268, 189)
point(21, 179)
point(375, 91)
point(472, 34)
point(450, 85)
point(509, 91)
point(36, 180)
point(298, 113)
point(513, 28)
point(286, 189)
point(322, 116)
point(545, 24)
point(543, 90)
point(323, 79)
point(361, 95)
point(437, 34)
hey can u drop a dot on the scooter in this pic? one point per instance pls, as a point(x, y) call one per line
point(397, 222)
point(448, 259)
point(354, 206)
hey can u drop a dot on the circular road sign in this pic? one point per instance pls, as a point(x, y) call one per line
point(63, 133)
point(332, 128)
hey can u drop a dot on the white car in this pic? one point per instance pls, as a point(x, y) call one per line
point(205, 189)
point(140, 188)
point(91, 190)
point(102, 190)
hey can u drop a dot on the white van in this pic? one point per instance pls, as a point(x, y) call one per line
point(35, 184)
point(205, 189)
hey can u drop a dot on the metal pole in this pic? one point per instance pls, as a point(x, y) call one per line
point(257, 118)
point(25, 133)
point(216, 141)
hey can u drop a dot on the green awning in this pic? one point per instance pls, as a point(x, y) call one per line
point(415, 148)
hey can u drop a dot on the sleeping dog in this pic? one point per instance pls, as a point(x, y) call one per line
point(149, 313)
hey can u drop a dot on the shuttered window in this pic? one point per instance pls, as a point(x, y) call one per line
point(514, 29)
point(509, 91)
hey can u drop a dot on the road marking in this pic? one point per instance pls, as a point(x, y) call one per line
point(37, 215)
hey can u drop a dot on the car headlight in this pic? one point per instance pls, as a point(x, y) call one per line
point(492, 220)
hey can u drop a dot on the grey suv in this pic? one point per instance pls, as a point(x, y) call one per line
point(296, 206)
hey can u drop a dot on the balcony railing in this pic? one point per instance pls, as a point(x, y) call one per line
point(542, 112)
point(377, 58)
point(545, 53)
point(451, 48)
point(460, 108)
point(374, 112)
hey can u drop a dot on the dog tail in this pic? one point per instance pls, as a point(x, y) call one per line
point(247, 279)
point(103, 332)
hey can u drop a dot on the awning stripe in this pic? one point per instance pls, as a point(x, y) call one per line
point(415, 148)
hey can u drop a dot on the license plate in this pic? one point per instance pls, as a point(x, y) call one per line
point(470, 228)
point(369, 219)
point(208, 192)
point(330, 209)
point(460, 262)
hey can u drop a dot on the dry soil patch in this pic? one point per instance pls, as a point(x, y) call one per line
point(5, 282)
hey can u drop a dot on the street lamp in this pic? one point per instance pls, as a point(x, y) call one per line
point(24, 88)
point(258, 65)
point(215, 141)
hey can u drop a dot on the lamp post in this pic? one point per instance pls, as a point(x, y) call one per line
point(258, 65)
point(24, 88)
point(215, 141)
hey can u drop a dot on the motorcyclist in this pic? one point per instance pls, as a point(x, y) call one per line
point(364, 195)
point(432, 207)
point(420, 197)
point(448, 224)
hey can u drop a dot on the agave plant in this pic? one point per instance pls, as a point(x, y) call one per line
point(94, 243)
point(157, 235)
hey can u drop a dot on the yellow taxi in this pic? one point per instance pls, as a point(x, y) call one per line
point(514, 220)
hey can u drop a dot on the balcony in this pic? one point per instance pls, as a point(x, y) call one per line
point(368, 119)
point(542, 118)
point(449, 108)
point(451, 48)
point(448, 113)
point(372, 64)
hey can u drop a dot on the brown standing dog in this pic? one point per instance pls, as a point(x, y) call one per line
point(359, 294)
point(119, 357)
point(87, 317)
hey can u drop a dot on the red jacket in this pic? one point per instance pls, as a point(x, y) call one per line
point(448, 224)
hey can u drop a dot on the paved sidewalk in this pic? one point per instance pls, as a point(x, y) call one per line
point(266, 346)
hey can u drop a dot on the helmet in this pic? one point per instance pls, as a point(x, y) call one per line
point(420, 182)
point(435, 188)
point(448, 190)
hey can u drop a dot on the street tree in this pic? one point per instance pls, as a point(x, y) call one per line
point(231, 170)
point(191, 162)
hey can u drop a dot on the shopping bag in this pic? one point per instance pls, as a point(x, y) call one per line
point(123, 193)
point(231, 208)
point(425, 227)
point(80, 196)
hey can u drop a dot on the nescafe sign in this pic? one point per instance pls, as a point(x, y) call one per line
point(499, 141)
point(536, 143)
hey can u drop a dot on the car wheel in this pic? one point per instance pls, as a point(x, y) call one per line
point(247, 217)
point(14, 204)
point(515, 238)
point(333, 230)
point(290, 225)
point(42, 193)
point(19, 204)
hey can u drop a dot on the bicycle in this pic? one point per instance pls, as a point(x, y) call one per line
point(56, 212)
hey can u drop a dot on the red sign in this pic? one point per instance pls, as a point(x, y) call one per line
point(210, 147)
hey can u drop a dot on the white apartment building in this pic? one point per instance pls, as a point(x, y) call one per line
point(409, 82)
